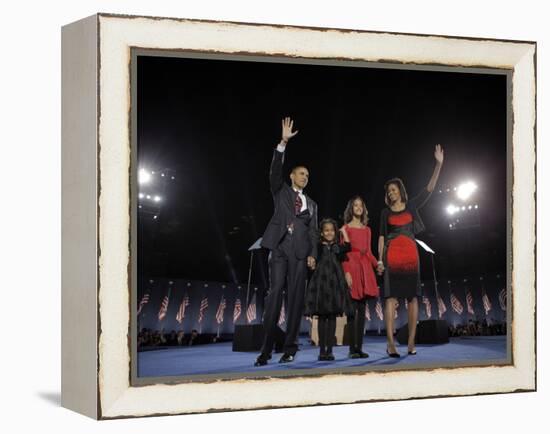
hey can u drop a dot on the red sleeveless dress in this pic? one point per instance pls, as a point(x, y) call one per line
point(361, 264)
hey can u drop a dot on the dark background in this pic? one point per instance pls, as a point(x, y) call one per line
point(213, 125)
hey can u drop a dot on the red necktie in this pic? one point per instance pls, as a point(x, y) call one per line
point(298, 204)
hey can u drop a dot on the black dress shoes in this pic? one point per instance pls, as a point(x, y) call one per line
point(286, 358)
point(262, 360)
point(362, 354)
point(353, 355)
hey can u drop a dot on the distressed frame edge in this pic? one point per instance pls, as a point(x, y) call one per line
point(79, 133)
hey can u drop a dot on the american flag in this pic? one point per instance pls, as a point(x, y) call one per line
point(221, 309)
point(486, 302)
point(428, 306)
point(202, 309)
point(470, 302)
point(441, 306)
point(502, 299)
point(164, 306)
point(143, 302)
point(237, 310)
point(367, 311)
point(379, 311)
point(406, 304)
point(251, 311)
point(282, 315)
point(456, 304)
point(181, 310)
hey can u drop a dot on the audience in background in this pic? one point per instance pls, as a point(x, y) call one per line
point(148, 338)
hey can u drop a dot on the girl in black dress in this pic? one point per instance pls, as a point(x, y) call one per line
point(327, 294)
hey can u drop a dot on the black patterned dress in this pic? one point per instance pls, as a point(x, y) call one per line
point(328, 292)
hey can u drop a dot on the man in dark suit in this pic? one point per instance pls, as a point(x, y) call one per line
point(291, 236)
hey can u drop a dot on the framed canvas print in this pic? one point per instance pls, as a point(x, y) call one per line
point(260, 216)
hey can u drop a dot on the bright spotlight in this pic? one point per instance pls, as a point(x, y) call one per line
point(148, 197)
point(157, 199)
point(141, 195)
point(465, 190)
point(144, 176)
point(475, 207)
point(451, 209)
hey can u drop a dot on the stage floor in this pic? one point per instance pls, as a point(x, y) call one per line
point(219, 358)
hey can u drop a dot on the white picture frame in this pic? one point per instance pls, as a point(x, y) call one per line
point(96, 253)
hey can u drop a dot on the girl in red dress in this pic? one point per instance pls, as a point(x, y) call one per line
point(359, 270)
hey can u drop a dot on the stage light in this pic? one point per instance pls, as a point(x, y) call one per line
point(157, 199)
point(155, 217)
point(465, 190)
point(148, 197)
point(475, 207)
point(141, 195)
point(463, 208)
point(173, 177)
point(144, 176)
point(451, 209)
point(469, 206)
point(162, 174)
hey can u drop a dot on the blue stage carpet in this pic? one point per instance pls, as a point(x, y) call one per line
point(219, 358)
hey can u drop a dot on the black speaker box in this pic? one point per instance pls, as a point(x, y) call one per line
point(427, 332)
point(248, 337)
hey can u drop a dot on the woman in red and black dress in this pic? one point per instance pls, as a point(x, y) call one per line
point(399, 223)
point(359, 271)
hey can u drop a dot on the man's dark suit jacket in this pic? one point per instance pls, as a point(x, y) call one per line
point(305, 235)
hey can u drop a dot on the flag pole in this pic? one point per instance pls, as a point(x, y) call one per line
point(435, 280)
point(249, 277)
point(466, 299)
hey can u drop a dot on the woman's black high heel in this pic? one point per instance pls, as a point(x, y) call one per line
point(392, 354)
